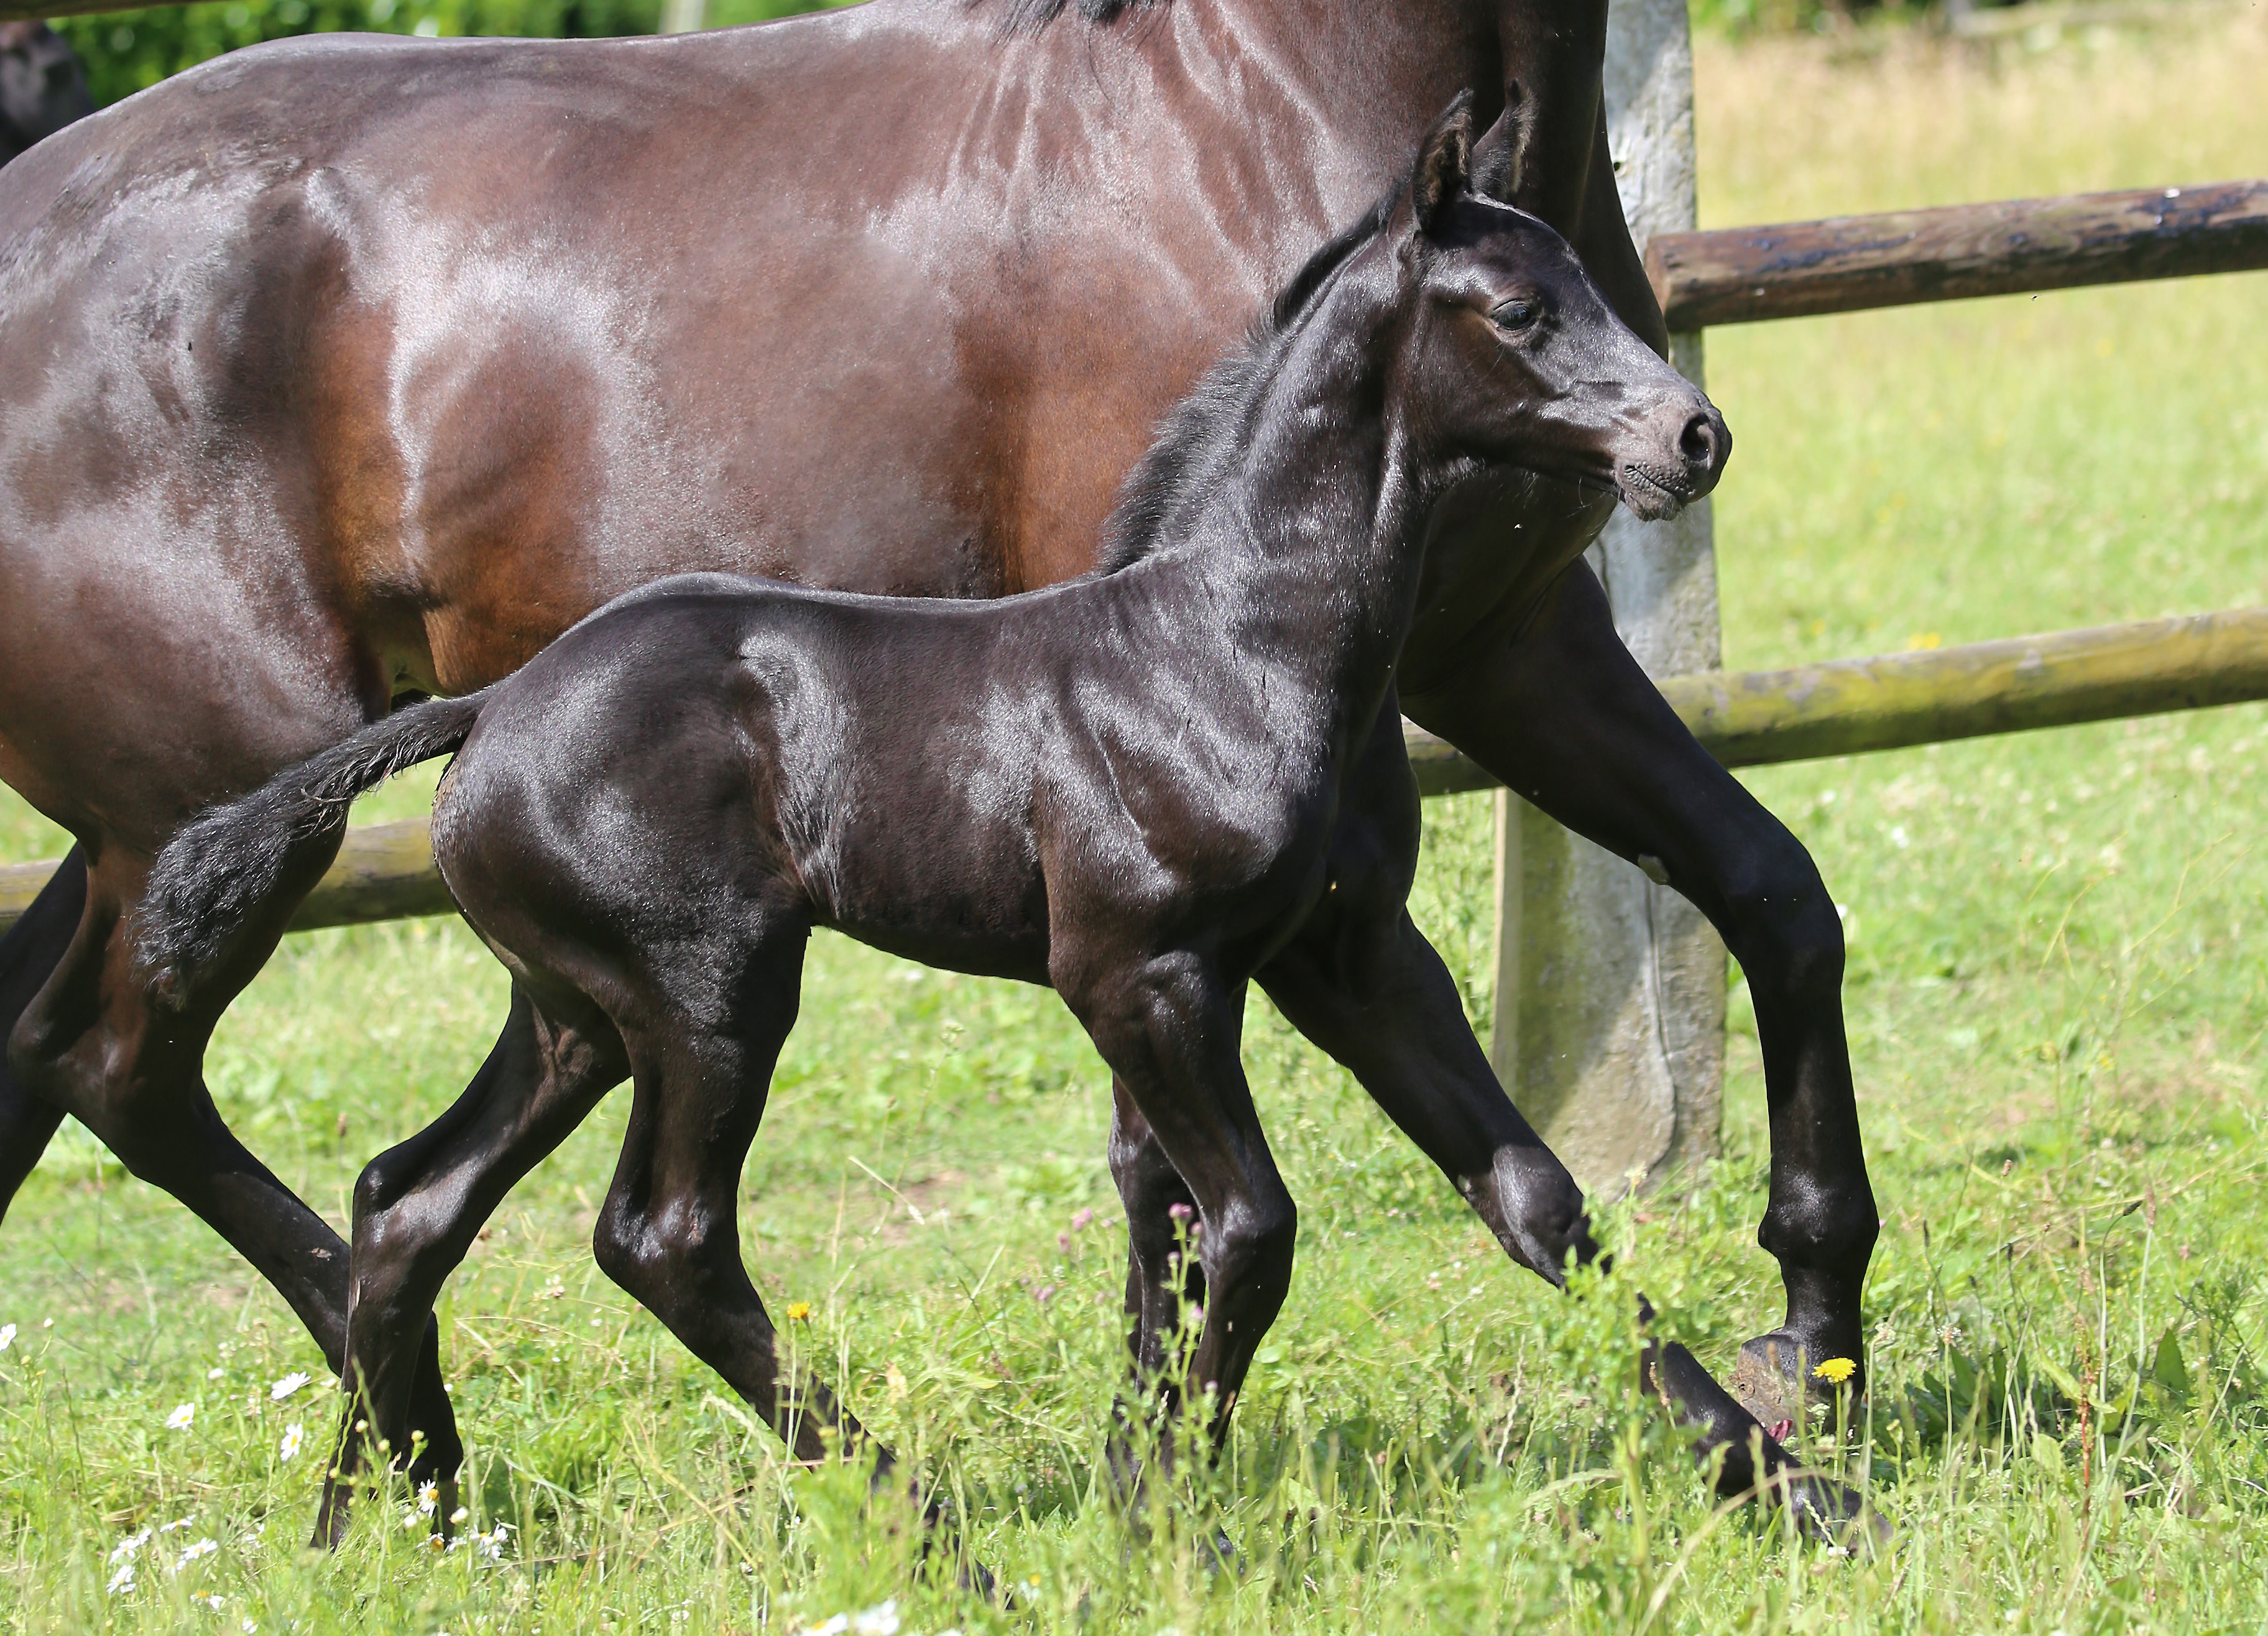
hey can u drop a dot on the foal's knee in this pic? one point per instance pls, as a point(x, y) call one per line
point(1826, 1230)
point(1783, 927)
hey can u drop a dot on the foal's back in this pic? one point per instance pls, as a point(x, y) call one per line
point(714, 756)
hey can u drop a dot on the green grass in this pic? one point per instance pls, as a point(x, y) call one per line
point(2056, 1013)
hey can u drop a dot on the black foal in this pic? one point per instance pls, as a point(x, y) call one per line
point(1147, 788)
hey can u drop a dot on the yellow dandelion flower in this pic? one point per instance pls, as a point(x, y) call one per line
point(798, 1311)
point(1835, 1371)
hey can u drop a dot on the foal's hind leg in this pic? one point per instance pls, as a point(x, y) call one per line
point(417, 1207)
point(669, 1232)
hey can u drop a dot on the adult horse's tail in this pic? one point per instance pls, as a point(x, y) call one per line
point(220, 869)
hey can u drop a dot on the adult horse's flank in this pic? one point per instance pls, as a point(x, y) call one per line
point(339, 371)
point(1146, 788)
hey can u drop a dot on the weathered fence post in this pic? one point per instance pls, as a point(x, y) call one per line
point(1611, 990)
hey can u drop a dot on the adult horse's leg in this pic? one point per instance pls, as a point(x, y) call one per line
point(1559, 709)
point(1363, 983)
point(418, 1206)
point(29, 954)
point(91, 1043)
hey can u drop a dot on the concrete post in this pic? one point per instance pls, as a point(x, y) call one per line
point(1611, 990)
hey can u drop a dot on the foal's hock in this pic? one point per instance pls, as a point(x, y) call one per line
point(1146, 788)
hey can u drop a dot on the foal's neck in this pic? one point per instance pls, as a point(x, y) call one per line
point(1306, 546)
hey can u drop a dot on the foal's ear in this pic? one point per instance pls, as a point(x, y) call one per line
point(1445, 163)
point(1500, 157)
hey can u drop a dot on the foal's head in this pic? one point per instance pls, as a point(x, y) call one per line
point(1513, 358)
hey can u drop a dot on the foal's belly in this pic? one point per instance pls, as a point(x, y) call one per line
point(1022, 958)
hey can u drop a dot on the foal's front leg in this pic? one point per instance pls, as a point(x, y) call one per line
point(1162, 1277)
point(1160, 1280)
point(1185, 1128)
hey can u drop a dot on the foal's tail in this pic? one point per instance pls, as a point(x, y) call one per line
point(217, 871)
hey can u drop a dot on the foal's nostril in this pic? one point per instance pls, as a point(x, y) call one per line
point(1698, 444)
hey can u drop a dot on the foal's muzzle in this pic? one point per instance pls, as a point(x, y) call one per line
point(1681, 453)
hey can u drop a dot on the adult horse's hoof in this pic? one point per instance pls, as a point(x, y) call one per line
point(1776, 1380)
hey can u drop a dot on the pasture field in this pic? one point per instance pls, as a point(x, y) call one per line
point(2056, 1002)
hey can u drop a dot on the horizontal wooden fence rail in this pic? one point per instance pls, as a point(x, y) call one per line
point(1755, 717)
point(15, 10)
point(1747, 718)
point(1795, 270)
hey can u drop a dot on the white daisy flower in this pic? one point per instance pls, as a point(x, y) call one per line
point(178, 1420)
point(192, 1551)
point(7, 1336)
point(292, 1435)
point(123, 1579)
point(285, 1387)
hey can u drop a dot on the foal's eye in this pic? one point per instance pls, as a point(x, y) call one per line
point(1517, 313)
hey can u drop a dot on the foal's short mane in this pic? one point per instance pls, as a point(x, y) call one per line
point(1203, 425)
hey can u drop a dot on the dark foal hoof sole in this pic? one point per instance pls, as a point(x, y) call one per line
point(1773, 1380)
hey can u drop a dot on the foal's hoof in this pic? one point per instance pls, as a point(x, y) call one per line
point(974, 1579)
point(1219, 1556)
point(1776, 1380)
point(1824, 1510)
point(334, 1516)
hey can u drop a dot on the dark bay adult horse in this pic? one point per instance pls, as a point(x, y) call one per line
point(340, 371)
point(1147, 788)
